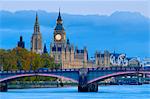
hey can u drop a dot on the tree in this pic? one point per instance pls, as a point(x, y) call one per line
point(20, 58)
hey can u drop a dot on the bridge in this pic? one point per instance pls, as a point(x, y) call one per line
point(87, 78)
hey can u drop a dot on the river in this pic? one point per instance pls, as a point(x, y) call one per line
point(105, 92)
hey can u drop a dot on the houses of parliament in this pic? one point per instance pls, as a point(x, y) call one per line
point(70, 56)
point(61, 49)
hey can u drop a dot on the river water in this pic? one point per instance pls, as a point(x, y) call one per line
point(105, 92)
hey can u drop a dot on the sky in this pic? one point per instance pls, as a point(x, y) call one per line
point(83, 7)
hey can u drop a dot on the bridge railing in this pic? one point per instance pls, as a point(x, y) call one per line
point(75, 69)
point(119, 68)
point(39, 71)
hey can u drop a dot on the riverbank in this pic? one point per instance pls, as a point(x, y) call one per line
point(30, 85)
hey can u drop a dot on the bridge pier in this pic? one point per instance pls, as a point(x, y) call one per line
point(83, 85)
point(93, 87)
point(3, 87)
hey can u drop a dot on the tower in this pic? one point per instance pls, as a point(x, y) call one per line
point(59, 40)
point(106, 58)
point(59, 31)
point(45, 49)
point(21, 43)
point(63, 51)
point(36, 40)
point(85, 55)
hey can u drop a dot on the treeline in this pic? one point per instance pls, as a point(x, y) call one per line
point(22, 59)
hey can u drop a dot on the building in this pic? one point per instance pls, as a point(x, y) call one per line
point(45, 49)
point(145, 62)
point(36, 40)
point(118, 59)
point(114, 59)
point(133, 62)
point(21, 43)
point(63, 51)
point(102, 59)
point(70, 56)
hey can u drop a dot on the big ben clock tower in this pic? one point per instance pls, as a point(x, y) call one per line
point(63, 51)
point(59, 32)
point(59, 40)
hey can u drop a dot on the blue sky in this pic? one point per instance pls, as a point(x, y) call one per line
point(83, 7)
point(80, 31)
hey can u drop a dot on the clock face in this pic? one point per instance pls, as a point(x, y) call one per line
point(58, 37)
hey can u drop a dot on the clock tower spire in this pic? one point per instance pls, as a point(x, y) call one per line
point(59, 20)
point(59, 31)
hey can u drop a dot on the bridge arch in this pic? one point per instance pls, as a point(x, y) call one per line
point(38, 74)
point(114, 75)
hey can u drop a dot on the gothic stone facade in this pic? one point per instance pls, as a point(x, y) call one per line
point(36, 40)
point(102, 59)
point(65, 53)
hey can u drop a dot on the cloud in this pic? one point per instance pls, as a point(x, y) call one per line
point(125, 32)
